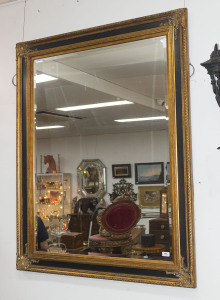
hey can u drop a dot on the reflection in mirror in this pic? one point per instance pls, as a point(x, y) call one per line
point(91, 180)
point(93, 109)
point(91, 175)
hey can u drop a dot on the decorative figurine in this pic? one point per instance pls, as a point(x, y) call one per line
point(48, 159)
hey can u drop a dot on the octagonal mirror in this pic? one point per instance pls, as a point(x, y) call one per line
point(91, 176)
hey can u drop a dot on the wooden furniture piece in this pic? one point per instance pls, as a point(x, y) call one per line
point(123, 188)
point(72, 240)
point(160, 228)
point(81, 223)
point(116, 223)
point(136, 234)
point(156, 249)
point(109, 247)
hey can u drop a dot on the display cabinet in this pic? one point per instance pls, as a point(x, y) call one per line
point(53, 196)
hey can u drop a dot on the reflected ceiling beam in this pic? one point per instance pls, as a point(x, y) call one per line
point(62, 71)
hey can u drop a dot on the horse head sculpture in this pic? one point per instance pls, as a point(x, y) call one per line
point(48, 159)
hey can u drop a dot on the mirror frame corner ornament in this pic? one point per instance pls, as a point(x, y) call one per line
point(180, 271)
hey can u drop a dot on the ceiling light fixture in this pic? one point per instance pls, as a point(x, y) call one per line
point(43, 78)
point(40, 60)
point(96, 105)
point(49, 127)
point(143, 119)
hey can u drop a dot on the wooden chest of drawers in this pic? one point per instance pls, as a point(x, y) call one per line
point(160, 228)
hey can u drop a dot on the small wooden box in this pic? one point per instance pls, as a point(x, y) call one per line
point(72, 240)
point(136, 235)
point(148, 240)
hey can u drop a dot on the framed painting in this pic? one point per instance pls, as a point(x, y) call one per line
point(149, 173)
point(121, 171)
point(150, 196)
point(164, 202)
point(168, 173)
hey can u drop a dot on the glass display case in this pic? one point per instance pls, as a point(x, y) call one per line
point(53, 197)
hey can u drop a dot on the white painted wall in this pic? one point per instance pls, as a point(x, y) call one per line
point(123, 148)
point(50, 17)
point(136, 147)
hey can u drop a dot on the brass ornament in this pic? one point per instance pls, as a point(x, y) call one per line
point(176, 20)
point(23, 50)
point(184, 275)
point(24, 263)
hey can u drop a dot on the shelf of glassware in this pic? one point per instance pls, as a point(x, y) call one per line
point(53, 195)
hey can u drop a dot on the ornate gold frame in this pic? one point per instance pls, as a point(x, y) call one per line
point(180, 271)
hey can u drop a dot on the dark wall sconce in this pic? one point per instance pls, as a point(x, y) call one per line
point(213, 67)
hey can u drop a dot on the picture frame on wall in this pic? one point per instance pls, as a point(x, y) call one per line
point(164, 194)
point(54, 196)
point(168, 173)
point(149, 173)
point(150, 196)
point(121, 171)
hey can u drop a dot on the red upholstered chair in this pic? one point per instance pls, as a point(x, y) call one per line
point(116, 223)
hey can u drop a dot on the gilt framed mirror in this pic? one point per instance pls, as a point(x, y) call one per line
point(91, 178)
point(116, 94)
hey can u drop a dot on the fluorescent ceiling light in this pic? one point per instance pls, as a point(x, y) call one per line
point(43, 78)
point(142, 119)
point(96, 105)
point(49, 127)
point(39, 60)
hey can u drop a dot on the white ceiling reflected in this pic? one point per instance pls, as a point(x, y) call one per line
point(6, 1)
point(135, 71)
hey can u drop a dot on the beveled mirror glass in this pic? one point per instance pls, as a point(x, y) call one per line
point(91, 175)
point(101, 105)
